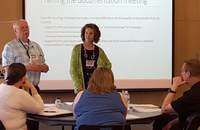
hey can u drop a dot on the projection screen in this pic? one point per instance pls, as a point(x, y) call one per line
point(136, 35)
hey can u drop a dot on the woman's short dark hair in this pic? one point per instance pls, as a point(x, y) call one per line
point(97, 33)
point(15, 72)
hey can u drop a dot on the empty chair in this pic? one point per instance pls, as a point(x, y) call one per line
point(105, 127)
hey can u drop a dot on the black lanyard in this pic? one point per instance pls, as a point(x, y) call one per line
point(26, 48)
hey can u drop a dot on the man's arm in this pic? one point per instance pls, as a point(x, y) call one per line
point(166, 106)
point(37, 67)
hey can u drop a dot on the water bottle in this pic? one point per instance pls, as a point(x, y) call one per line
point(58, 102)
point(127, 97)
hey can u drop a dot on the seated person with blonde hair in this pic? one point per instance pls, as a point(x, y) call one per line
point(100, 103)
point(15, 102)
point(176, 111)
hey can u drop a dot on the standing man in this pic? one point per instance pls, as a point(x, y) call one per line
point(177, 111)
point(23, 50)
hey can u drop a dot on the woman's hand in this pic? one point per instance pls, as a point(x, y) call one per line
point(27, 84)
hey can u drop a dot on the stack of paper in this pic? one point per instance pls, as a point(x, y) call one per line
point(145, 107)
point(68, 103)
point(129, 117)
point(51, 110)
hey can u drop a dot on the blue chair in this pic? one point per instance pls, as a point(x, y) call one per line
point(105, 127)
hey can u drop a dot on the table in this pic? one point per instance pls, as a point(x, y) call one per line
point(69, 119)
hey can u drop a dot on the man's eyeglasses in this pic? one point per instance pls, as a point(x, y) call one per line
point(23, 28)
point(183, 70)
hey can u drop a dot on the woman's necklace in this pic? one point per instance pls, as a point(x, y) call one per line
point(89, 62)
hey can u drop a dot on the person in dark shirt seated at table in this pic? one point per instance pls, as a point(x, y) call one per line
point(100, 103)
point(176, 111)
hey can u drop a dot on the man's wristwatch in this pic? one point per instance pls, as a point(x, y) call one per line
point(171, 91)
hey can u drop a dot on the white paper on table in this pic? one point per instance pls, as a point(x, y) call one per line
point(51, 110)
point(46, 105)
point(68, 103)
point(128, 116)
point(145, 107)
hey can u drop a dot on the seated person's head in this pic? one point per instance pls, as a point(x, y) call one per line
point(102, 81)
point(15, 73)
point(193, 66)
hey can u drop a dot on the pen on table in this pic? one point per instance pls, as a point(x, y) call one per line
point(50, 111)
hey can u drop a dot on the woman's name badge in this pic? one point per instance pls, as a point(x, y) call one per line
point(89, 63)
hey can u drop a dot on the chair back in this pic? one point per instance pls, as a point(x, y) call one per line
point(105, 127)
point(2, 126)
point(193, 121)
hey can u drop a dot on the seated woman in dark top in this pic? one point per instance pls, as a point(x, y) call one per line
point(100, 104)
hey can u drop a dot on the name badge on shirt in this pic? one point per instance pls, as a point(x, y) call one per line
point(34, 58)
point(89, 63)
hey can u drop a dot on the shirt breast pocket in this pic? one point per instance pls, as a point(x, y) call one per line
point(22, 59)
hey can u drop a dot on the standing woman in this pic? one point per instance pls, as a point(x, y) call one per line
point(15, 102)
point(86, 57)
